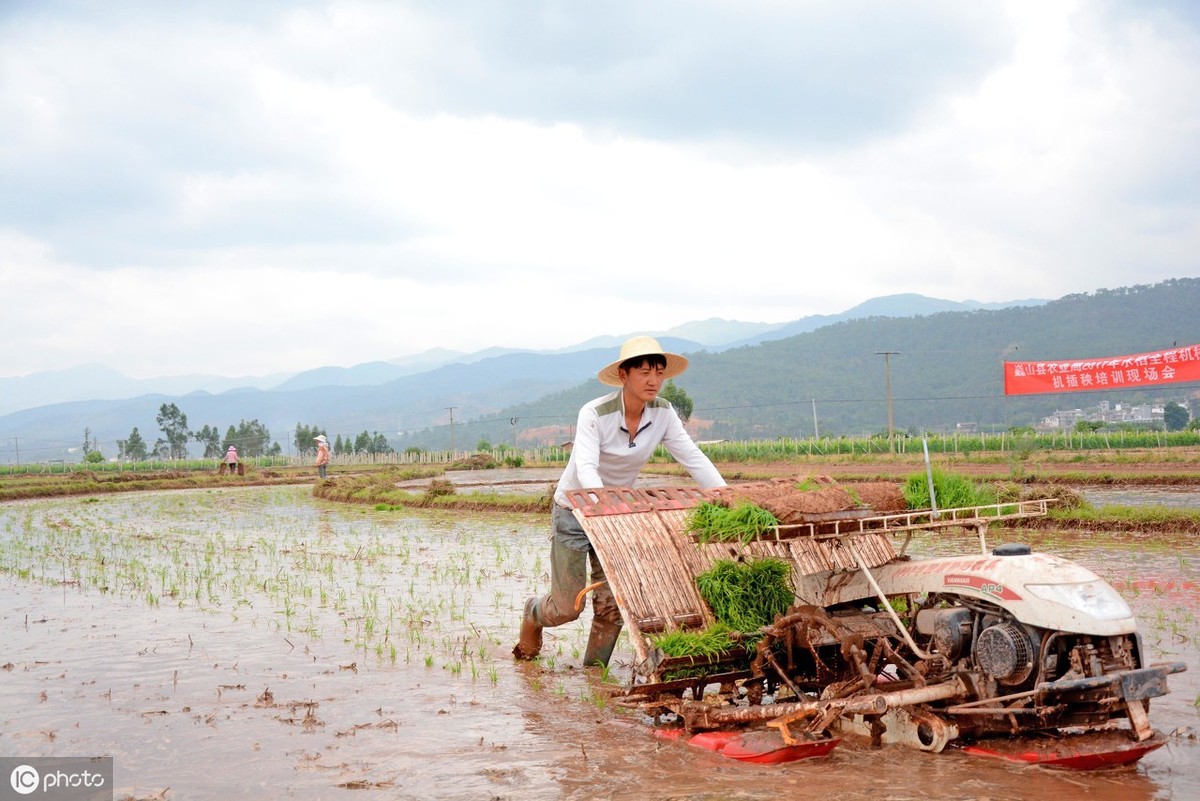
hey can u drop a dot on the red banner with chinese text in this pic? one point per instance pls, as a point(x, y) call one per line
point(1171, 366)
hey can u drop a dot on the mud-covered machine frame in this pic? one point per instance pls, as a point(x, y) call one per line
point(1005, 652)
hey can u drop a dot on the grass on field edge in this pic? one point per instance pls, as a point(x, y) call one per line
point(379, 489)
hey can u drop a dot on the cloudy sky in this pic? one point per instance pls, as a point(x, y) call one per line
point(249, 188)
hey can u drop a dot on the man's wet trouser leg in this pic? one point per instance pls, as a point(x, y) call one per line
point(570, 556)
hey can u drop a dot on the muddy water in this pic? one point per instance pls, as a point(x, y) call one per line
point(257, 644)
point(1171, 497)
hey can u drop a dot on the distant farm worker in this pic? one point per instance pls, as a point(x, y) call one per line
point(615, 436)
point(322, 454)
point(231, 459)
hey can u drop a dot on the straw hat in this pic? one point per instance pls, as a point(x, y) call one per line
point(320, 438)
point(642, 346)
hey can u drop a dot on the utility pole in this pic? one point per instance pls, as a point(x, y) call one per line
point(816, 431)
point(887, 370)
point(513, 422)
point(451, 408)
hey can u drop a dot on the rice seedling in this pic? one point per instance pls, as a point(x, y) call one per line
point(747, 595)
point(745, 522)
point(712, 641)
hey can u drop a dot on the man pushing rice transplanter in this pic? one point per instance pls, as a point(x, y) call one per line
point(615, 436)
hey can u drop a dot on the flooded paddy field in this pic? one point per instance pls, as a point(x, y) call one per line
point(1170, 497)
point(256, 643)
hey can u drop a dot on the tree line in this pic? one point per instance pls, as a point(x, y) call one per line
point(250, 437)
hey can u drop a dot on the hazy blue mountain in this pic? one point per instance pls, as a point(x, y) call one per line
point(947, 369)
point(428, 359)
point(409, 402)
point(714, 332)
point(98, 382)
point(373, 373)
point(718, 333)
point(436, 357)
point(497, 383)
point(364, 374)
point(901, 305)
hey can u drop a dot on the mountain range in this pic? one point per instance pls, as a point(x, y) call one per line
point(101, 382)
point(748, 379)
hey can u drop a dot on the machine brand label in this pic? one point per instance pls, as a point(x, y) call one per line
point(983, 585)
point(927, 566)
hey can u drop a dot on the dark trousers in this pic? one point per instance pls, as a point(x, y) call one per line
point(571, 555)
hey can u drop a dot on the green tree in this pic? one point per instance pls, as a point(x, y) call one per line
point(134, 448)
point(371, 443)
point(1175, 417)
point(91, 448)
point(338, 446)
point(173, 423)
point(303, 438)
point(1088, 426)
point(210, 437)
point(677, 398)
point(250, 437)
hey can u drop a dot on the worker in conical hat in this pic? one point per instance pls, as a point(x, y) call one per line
point(615, 436)
point(322, 454)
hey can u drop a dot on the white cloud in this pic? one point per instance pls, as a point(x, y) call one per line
point(350, 181)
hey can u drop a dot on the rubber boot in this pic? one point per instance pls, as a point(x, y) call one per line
point(601, 642)
point(530, 644)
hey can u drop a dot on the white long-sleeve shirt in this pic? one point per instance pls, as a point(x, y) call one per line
point(603, 454)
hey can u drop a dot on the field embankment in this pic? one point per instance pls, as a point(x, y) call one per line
point(423, 486)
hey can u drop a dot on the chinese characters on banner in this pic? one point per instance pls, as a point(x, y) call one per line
point(1171, 366)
